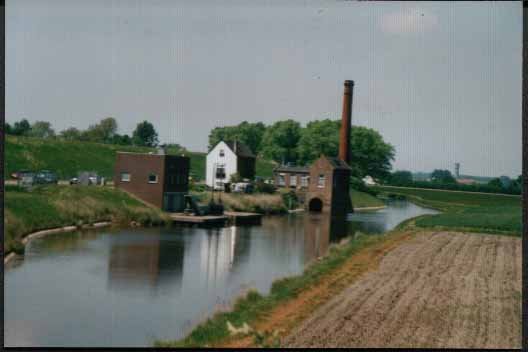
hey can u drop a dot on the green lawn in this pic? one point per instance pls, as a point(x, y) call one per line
point(67, 158)
point(364, 200)
point(55, 206)
point(466, 211)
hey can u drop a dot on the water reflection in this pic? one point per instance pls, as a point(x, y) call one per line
point(122, 287)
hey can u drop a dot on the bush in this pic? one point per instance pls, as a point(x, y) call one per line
point(261, 187)
point(290, 200)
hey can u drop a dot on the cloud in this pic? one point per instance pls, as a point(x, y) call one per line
point(410, 20)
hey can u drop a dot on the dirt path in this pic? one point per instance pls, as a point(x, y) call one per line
point(435, 290)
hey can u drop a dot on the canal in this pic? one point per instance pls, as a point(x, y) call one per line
point(128, 287)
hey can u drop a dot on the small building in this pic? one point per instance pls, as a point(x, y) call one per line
point(227, 158)
point(297, 177)
point(328, 190)
point(466, 181)
point(369, 181)
point(158, 179)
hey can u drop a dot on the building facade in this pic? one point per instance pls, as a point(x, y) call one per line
point(295, 177)
point(226, 159)
point(158, 179)
point(328, 187)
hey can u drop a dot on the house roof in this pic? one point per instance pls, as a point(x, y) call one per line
point(337, 163)
point(240, 150)
point(292, 169)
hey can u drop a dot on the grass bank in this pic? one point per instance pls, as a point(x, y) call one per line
point(254, 307)
point(67, 158)
point(56, 206)
point(474, 212)
point(274, 203)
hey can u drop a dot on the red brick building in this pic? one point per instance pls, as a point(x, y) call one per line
point(295, 177)
point(328, 187)
point(158, 179)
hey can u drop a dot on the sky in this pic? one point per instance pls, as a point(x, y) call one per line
point(440, 81)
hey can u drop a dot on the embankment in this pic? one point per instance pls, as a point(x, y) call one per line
point(50, 207)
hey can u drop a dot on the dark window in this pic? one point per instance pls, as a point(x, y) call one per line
point(221, 152)
point(321, 181)
point(220, 172)
point(153, 178)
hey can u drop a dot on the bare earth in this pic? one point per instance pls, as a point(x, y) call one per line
point(436, 290)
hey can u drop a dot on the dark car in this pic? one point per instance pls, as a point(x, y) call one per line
point(46, 176)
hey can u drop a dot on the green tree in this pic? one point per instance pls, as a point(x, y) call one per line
point(318, 137)
point(70, 134)
point(248, 133)
point(8, 128)
point(41, 129)
point(495, 183)
point(280, 141)
point(102, 132)
point(369, 153)
point(442, 176)
point(21, 128)
point(401, 178)
point(145, 135)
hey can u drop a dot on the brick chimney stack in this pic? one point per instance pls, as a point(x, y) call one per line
point(346, 122)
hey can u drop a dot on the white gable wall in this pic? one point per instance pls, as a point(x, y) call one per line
point(229, 160)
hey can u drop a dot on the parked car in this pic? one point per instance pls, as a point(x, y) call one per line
point(74, 181)
point(46, 177)
point(19, 174)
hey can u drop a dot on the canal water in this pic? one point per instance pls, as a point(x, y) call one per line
point(128, 287)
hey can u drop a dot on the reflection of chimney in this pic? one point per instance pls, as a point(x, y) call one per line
point(346, 122)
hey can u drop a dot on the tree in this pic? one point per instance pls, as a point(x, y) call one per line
point(442, 176)
point(8, 128)
point(145, 135)
point(318, 137)
point(369, 153)
point(280, 141)
point(401, 178)
point(102, 132)
point(70, 134)
point(41, 129)
point(495, 183)
point(248, 133)
point(121, 139)
point(21, 128)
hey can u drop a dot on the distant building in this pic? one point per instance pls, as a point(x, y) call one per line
point(328, 190)
point(227, 158)
point(466, 181)
point(297, 177)
point(369, 181)
point(158, 179)
point(457, 170)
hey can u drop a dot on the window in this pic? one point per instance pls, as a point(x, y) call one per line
point(281, 180)
point(153, 178)
point(293, 180)
point(304, 181)
point(220, 172)
point(221, 152)
point(321, 181)
point(125, 177)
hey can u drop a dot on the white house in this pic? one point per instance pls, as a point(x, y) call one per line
point(227, 158)
point(369, 181)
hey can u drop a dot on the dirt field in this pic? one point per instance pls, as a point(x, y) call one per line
point(435, 290)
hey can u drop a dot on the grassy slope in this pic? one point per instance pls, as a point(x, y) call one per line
point(467, 211)
point(67, 158)
point(55, 206)
point(364, 200)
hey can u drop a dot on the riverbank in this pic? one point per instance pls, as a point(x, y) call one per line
point(464, 211)
point(50, 207)
point(292, 298)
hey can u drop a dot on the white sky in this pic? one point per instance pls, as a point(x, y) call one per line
point(441, 81)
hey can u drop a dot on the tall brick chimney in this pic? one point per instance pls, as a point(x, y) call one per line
point(346, 122)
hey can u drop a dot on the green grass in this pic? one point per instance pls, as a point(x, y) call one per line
point(364, 200)
point(67, 158)
point(466, 211)
point(254, 305)
point(55, 206)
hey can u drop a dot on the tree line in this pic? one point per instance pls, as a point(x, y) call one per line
point(105, 131)
point(287, 141)
point(443, 179)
